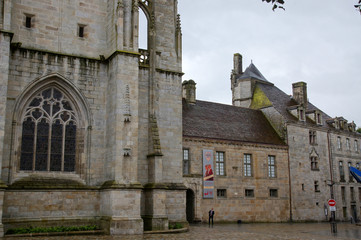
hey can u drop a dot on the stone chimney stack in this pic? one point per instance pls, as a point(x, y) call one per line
point(189, 91)
point(300, 93)
point(237, 64)
point(237, 68)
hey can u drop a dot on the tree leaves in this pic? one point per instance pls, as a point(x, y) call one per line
point(358, 6)
point(276, 3)
point(279, 4)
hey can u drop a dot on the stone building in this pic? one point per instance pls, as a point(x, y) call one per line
point(251, 172)
point(90, 125)
point(321, 148)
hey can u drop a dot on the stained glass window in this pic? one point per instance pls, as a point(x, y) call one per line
point(49, 133)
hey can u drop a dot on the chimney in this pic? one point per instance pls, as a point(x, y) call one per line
point(237, 64)
point(237, 69)
point(189, 91)
point(300, 93)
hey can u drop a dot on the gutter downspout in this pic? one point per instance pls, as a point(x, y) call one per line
point(330, 161)
point(289, 176)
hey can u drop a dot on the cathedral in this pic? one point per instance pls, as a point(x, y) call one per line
point(91, 125)
point(95, 130)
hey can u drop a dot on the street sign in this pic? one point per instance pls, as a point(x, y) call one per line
point(332, 209)
point(331, 203)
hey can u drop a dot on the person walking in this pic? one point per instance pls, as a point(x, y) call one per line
point(210, 214)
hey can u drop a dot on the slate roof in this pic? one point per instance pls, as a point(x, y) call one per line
point(225, 122)
point(281, 101)
point(252, 72)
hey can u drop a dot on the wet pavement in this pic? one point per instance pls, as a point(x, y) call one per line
point(276, 231)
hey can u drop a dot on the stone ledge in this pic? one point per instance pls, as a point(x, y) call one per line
point(168, 186)
point(32, 183)
point(112, 184)
point(11, 34)
point(93, 232)
point(181, 230)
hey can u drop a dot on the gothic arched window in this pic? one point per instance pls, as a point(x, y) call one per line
point(49, 128)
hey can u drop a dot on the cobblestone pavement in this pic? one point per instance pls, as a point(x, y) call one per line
point(304, 231)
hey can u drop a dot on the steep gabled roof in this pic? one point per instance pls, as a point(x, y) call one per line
point(281, 102)
point(252, 72)
point(225, 122)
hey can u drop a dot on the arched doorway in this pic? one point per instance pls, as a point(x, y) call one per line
point(190, 205)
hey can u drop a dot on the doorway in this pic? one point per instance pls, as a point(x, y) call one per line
point(354, 212)
point(190, 205)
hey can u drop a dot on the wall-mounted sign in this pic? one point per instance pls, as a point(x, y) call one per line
point(208, 177)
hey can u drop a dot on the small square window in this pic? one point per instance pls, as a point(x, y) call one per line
point(273, 192)
point(314, 163)
point(81, 30)
point(186, 162)
point(221, 193)
point(28, 20)
point(312, 137)
point(317, 187)
point(249, 193)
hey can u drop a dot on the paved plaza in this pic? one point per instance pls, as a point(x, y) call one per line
point(285, 231)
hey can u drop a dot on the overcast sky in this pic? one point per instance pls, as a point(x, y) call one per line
point(315, 41)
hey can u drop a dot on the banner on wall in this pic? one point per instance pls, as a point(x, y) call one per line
point(208, 177)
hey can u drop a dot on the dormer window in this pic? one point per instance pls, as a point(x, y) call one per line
point(301, 114)
point(318, 118)
point(315, 116)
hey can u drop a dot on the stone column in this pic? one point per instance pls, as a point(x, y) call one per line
point(121, 194)
point(7, 14)
point(135, 25)
point(5, 39)
point(120, 24)
point(127, 23)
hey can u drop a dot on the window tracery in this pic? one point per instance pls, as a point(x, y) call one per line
point(49, 128)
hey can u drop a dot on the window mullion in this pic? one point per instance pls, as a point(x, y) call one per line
point(35, 143)
point(49, 144)
point(63, 148)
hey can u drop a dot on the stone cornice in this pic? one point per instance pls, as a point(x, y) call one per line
point(11, 34)
point(234, 143)
point(166, 186)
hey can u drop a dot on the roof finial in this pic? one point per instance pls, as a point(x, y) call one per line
point(251, 61)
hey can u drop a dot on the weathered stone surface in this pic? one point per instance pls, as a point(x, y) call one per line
point(88, 50)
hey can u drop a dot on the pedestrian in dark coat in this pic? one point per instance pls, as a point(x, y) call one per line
point(210, 214)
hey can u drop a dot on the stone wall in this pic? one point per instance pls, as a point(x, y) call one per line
point(55, 26)
point(346, 201)
point(236, 206)
point(31, 208)
point(307, 201)
point(4, 77)
point(87, 76)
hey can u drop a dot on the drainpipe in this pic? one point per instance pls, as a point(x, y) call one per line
point(333, 222)
point(289, 175)
point(330, 160)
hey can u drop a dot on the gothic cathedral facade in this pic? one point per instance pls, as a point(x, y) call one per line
point(91, 125)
